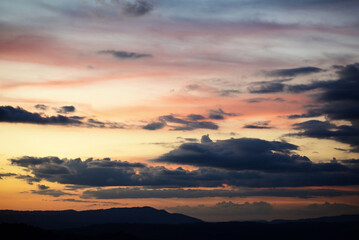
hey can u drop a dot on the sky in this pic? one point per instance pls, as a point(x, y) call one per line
point(222, 110)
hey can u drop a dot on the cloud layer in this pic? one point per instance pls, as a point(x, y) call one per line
point(241, 162)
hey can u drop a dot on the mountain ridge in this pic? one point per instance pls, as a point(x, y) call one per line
point(61, 219)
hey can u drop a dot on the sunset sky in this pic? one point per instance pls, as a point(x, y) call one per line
point(222, 110)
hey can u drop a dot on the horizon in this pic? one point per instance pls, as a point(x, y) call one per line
point(223, 111)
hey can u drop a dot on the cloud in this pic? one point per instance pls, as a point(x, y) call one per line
point(273, 86)
point(93, 123)
point(154, 125)
point(74, 200)
point(20, 115)
point(258, 100)
point(292, 72)
point(206, 89)
point(314, 112)
point(219, 114)
point(124, 54)
point(178, 123)
point(240, 154)
point(66, 109)
point(42, 187)
point(29, 179)
point(258, 125)
point(326, 130)
point(228, 92)
point(105, 172)
point(206, 139)
point(270, 87)
point(137, 8)
point(139, 193)
point(195, 117)
point(2, 175)
point(337, 100)
point(229, 211)
point(191, 121)
point(255, 162)
point(45, 190)
point(243, 162)
point(41, 107)
point(196, 125)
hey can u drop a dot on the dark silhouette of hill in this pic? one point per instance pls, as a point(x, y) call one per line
point(151, 224)
point(73, 219)
point(23, 231)
point(337, 219)
point(192, 231)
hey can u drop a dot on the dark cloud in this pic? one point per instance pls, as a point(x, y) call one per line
point(336, 100)
point(326, 130)
point(196, 125)
point(173, 119)
point(29, 179)
point(314, 112)
point(124, 54)
point(86, 173)
point(268, 87)
point(240, 154)
point(93, 123)
point(137, 8)
point(137, 193)
point(259, 125)
point(45, 190)
point(292, 72)
point(74, 200)
point(104, 172)
point(20, 115)
point(2, 175)
point(258, 100)
point(189, 139)
point(66, 109)
point(206, 139)
point(154, 125)
point(254, 126)
point(177, 123)
point(243, 162)
point(259, 163)
point(351, 161)
point(219, 114)
point(195, 117)
point(41, 107)
point(42, 187)
point(190, 122)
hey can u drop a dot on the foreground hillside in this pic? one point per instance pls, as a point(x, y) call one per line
point(194, 231)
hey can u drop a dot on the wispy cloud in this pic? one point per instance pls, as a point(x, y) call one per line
point(124, 54)
point(292, 72)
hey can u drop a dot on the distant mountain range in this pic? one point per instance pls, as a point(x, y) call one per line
point(332, 219)
point(74, 219)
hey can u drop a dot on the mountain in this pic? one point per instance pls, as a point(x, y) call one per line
point(73, 219)
point(330, 219)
